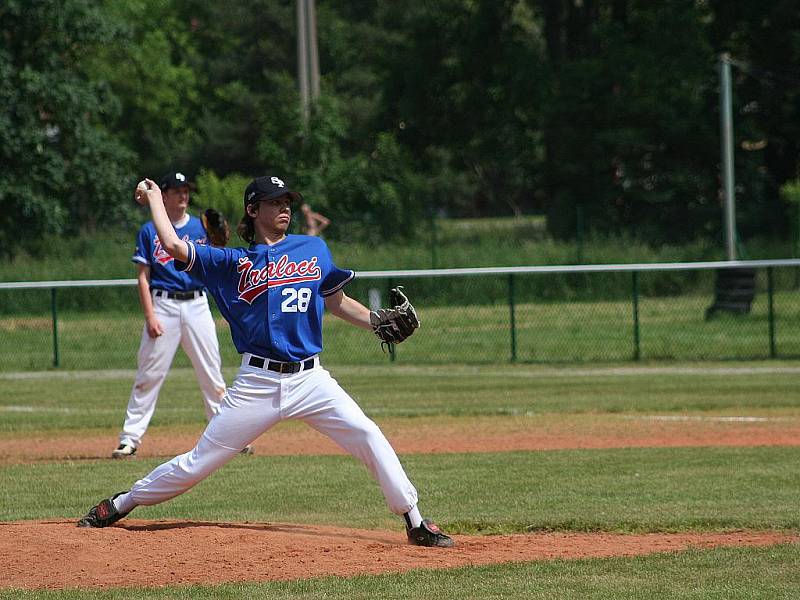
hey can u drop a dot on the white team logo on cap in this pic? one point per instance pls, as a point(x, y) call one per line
point(250, 196)
point(277, 182)
point(180, 176)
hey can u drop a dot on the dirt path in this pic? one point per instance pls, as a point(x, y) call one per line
point(447, 434)
point(187, 552)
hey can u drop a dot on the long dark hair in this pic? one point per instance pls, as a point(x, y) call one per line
point(246, 229)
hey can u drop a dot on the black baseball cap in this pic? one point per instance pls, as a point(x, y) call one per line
point(176, 179)
point(267, 188)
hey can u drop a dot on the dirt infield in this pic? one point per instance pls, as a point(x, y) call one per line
point(187, 552)
point(448, 434)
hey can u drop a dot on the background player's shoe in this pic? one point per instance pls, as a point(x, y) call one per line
point(247, 450)
point(103, 514)
point(429, 534)
point(123, 451)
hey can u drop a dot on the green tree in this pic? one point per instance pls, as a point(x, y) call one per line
point(251, 122)
point(462, 88)
point(631, 135)
point(245, 60)
point(372, 193)
point(223, 194)
point(62, 170)
point(764, 41)
point(148, 67)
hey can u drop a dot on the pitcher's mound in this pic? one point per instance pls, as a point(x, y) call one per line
point(56, 554)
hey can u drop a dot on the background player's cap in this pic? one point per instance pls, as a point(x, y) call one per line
point(267, 188)
point(176, 179)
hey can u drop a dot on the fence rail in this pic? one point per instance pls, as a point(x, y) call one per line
point(460, 272)
point(480, 315)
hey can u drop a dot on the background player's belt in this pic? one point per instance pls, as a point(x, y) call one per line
point(179, 295)
point(280, 367)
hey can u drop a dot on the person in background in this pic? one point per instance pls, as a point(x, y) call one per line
point(176, 312)
point(314, 222)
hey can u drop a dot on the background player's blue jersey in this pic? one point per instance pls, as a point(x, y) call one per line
point(163, 274)
point(272, 296)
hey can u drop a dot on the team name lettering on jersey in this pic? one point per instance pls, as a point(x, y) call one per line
point(254, 282)
point(161, 255)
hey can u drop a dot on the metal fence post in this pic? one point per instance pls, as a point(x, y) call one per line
point(771, 313)
point(54, 312)
point(796, 248)
point(434, 240)
point(392, 355)
point(512, 318)
point(635, 294)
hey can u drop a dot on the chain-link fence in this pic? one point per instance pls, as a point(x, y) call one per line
point(525, 314)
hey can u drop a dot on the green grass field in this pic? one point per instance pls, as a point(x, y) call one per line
point(620, 490)
point(670, 328)
point(614, 490)
point(722, 574)
point(68, 401)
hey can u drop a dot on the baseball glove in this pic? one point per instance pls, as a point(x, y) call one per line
point(393, 325)
point(216, 227)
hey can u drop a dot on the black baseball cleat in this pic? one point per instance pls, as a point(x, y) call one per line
point(429, 534)
point(123, 451)
point(103, 514)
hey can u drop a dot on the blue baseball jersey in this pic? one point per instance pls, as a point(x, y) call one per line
point(163, 274)
point(273, 297)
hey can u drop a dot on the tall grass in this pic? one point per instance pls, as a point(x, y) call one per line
point(451, 243)
point(448, 244)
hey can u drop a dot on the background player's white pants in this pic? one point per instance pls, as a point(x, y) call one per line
point(190, 324)
point(257, 400)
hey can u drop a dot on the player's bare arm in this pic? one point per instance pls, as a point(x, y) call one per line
point(320, 221)
point(348, 309)
point(149, 194)
point(391, 325)
point(154, 328)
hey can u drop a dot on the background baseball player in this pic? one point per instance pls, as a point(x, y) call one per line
point(176, 312)
point(274, 295)
point(314, 223)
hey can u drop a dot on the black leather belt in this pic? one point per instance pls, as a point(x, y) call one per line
point(179, 295)
point(282, 367)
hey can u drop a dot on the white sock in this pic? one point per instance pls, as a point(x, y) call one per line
point(413, 518)
point(124, 503)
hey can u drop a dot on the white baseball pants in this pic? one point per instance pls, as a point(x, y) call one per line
point(190, 324)
point(259, 399)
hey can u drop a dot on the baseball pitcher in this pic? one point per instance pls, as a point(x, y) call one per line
point(274, 294)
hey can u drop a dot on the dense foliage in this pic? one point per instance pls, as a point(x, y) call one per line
point(600, 111)
point(62, 166)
